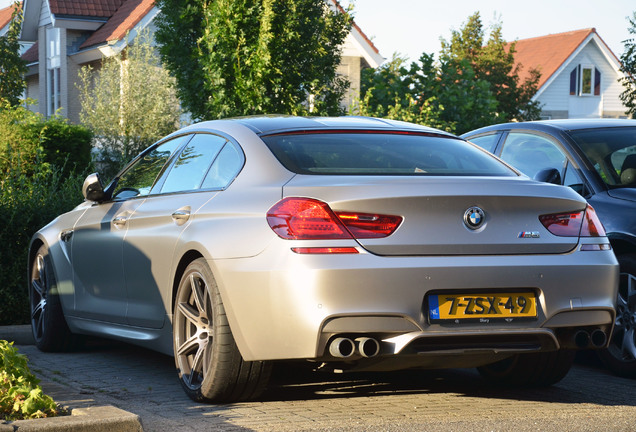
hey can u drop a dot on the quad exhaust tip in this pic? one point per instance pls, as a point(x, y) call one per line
point(596, 338)
point(342, 347)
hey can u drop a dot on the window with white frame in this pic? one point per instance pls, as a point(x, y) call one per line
point(53, 62)
point(585, 80)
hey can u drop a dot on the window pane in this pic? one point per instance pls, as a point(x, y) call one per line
point(487, 142)
point(531, 153)
point(192, 164)
point(226, 166)
point(381, 153)
point(139, 178)
point(586, 81)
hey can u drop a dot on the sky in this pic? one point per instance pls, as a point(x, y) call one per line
point(411, 27)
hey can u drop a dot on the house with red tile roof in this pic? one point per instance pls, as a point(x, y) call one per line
point(579, 74)
point(70, 34)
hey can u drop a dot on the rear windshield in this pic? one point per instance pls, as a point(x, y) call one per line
point(379, 153)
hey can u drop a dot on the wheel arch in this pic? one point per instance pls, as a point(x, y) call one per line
point(622, 243)
point(185, 260)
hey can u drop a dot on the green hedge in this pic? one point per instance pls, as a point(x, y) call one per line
point(38, 181)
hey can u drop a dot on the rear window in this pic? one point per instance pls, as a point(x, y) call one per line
point(375, 153)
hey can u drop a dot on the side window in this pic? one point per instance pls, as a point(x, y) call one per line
point(487, 142)
point(531, 153)
point(139, 177)
point(573, 179)
point(192, 164)
point(226, 166)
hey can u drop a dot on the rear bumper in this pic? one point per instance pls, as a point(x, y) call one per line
point(283, 305)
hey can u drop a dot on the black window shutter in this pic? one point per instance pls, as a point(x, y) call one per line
point(597, 82)
point(573, 82)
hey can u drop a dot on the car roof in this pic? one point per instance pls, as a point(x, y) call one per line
point(560, 124)
point(267, 125)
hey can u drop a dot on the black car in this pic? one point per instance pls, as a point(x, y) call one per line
point(596, 158)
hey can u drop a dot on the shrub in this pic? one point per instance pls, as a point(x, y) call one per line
point(20, 395)
point(37, 183)
point(28, 201)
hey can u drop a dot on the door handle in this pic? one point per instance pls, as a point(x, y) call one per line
point(120, 220)
point(181, 216)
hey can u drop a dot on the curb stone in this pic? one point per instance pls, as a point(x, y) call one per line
point(92, 419)
point(105, 418)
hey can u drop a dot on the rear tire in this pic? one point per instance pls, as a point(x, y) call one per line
point(620, 356)
point(530, 370)
point(50, 331)
point(209, 364)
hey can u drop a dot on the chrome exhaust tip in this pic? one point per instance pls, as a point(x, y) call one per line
point(368, 347)
point(342, 347)
point(598, 338)
point(582, 339)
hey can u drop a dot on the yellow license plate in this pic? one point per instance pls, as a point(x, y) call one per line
point(482, 307)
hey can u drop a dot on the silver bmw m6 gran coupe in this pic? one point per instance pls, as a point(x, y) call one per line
point(349, 243)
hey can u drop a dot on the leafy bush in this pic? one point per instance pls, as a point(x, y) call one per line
point(28, 202)
point(25, 135)
point(20, 395)
point(33, 191)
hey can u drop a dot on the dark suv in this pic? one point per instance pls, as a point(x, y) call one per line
point(596, 158)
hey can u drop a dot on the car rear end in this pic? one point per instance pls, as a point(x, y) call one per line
point(395, 248)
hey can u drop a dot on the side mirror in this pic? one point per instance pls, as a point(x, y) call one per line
point(92, 188)
point(548, 175)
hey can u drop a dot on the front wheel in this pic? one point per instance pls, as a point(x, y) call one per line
point(620, 356)
point(209, 364)
point(50, 331)
point(530, 370)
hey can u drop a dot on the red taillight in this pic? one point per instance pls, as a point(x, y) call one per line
point(362, 225)
point(310, 219)
point(325, 250)
point(574, 224)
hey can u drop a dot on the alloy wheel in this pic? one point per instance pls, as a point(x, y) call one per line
point(193, 331)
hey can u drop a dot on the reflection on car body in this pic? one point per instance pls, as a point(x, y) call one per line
point(348, 243)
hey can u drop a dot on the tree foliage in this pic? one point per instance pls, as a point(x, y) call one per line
point(472, 84)
point(128, 102)
point(628, 67)
point(233, 58)
point(444, 94)
point(12, 67)
point(493, 61)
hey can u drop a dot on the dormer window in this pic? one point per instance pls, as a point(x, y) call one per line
point(585, 80)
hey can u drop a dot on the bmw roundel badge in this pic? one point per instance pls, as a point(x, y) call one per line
point(474, 218)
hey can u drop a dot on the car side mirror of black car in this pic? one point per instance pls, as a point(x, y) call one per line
point(92, 188)
point(549, 175)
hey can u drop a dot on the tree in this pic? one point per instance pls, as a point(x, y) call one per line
point(233, 58)
point(628, 67)
point(494, 62)
point(12, 67)
point(444, 94)
point(128, 103)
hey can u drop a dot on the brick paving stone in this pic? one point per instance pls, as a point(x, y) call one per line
point(145, 383)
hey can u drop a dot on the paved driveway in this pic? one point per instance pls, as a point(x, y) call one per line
point(145, 383)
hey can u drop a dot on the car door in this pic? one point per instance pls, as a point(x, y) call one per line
point(530, 152)
point(155, 227)
point(98, 237)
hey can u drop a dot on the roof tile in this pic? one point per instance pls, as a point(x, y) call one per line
point(123, 20)
point(5, 15)
point(89, 8)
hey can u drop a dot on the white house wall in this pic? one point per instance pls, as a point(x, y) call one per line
point(45, 15)
point(556, 99)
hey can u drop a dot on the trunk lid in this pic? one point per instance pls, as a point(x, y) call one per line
point(433, 211)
